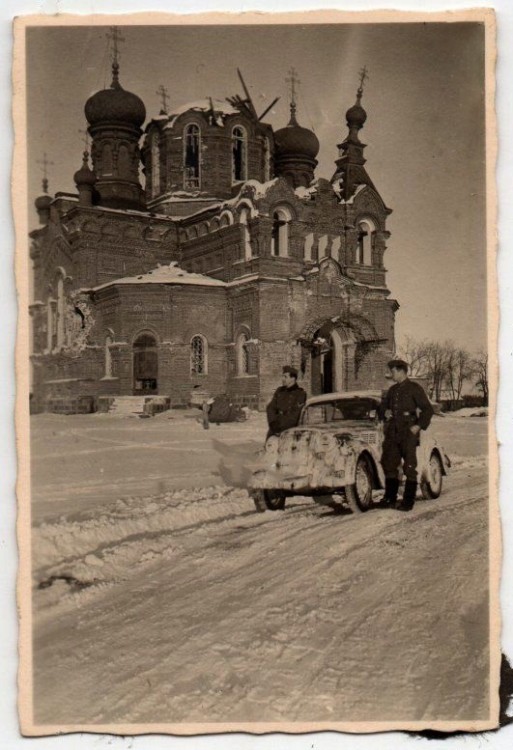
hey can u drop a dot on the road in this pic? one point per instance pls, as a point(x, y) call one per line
point(184, 605)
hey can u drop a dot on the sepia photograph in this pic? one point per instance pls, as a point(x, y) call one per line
point(257, 373)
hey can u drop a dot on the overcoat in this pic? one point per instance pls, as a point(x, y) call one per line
point(284, 409)
point(409, 406)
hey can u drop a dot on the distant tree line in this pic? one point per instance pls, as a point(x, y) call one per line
point(446, 368)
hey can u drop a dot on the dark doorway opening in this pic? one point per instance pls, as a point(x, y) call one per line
point(145, 365)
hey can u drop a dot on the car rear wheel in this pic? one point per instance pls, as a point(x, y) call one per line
point(359, 494)
point(268, 500)
point(431, 486)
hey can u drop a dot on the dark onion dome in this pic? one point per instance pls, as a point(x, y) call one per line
point(356, 115)
point(115, 105)
point(85, 175)
point(42, 202)
point(295, 140)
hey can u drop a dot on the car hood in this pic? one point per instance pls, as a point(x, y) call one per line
point(366, 432)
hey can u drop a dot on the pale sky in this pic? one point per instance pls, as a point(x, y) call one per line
point(425, 130)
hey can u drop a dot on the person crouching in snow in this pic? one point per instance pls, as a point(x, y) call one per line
point(407, 411)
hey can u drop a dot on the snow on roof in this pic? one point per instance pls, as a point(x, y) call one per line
point(171, 274)
point(179, 196)
point(260, 189)
point(306, 192)
point(221, 109)
point(350, 200)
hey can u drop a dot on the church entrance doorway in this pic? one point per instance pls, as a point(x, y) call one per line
point(146, 362)
point(328, 361)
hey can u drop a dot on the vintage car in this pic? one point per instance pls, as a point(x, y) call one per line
point(334, 455)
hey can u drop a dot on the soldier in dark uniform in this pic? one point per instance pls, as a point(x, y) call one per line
point(284, 409)
point(407, 411)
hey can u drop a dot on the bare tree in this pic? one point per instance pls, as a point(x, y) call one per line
point(442, 363)
point(480, 363)
point(415, 353)
point(460, 368)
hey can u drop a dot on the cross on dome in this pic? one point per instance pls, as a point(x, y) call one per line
point(162, 92)
point(293, 80)
point(114, 36)
point(364, 76)
point(44, 168)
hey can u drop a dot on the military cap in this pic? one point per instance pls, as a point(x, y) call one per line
point(398, 364)
point(290, 370)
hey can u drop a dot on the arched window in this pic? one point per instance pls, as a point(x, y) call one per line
point(61, 311)
point(335, 248)
point(107, 160)
point(246, 239)
point(308, 247)
point(239, 155)
point(242, 352)
point(267, 160)
point(50, 304)
point(108, 357)
point(199, 352)
point(123, 162)
point(225, 219)
point(214, 224)
point(280, 232)
point(366, 231)
point(155, 165)
point(322, 245)
point(191, 156)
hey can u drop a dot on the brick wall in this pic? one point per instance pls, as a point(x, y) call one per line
point(173, 314)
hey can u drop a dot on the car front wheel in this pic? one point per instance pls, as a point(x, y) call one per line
point(359, 494)
point(431, 486)
point(268, 500)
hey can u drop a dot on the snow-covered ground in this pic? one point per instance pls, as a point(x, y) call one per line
point(469, 411)
point(160, 595)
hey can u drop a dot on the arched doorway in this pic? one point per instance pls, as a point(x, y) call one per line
point(146, 364)
point(330, 360)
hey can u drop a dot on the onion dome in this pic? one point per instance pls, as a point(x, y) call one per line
point(85, 175)
point(115, 105)
point(42, 202)
point(356, 115)
point(294, 140)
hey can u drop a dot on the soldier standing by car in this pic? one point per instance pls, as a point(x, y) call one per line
point(407, 411)
point(284, 409)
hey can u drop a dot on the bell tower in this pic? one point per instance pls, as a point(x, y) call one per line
point(350, 170)
point(115, 117)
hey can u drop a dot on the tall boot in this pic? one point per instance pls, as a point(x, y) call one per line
point(391, 490)
point(410, 491)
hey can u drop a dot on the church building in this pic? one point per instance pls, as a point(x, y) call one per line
point(201, 250)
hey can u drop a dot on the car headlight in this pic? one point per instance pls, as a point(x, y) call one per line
point(271, 445)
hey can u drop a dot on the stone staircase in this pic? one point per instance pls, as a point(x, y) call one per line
point(125, 406)
point(133, 406)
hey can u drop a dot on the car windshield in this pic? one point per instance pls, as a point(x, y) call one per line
point(341, 410)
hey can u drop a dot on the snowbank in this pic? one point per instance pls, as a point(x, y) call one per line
point(92, 533)
point(471, 411)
